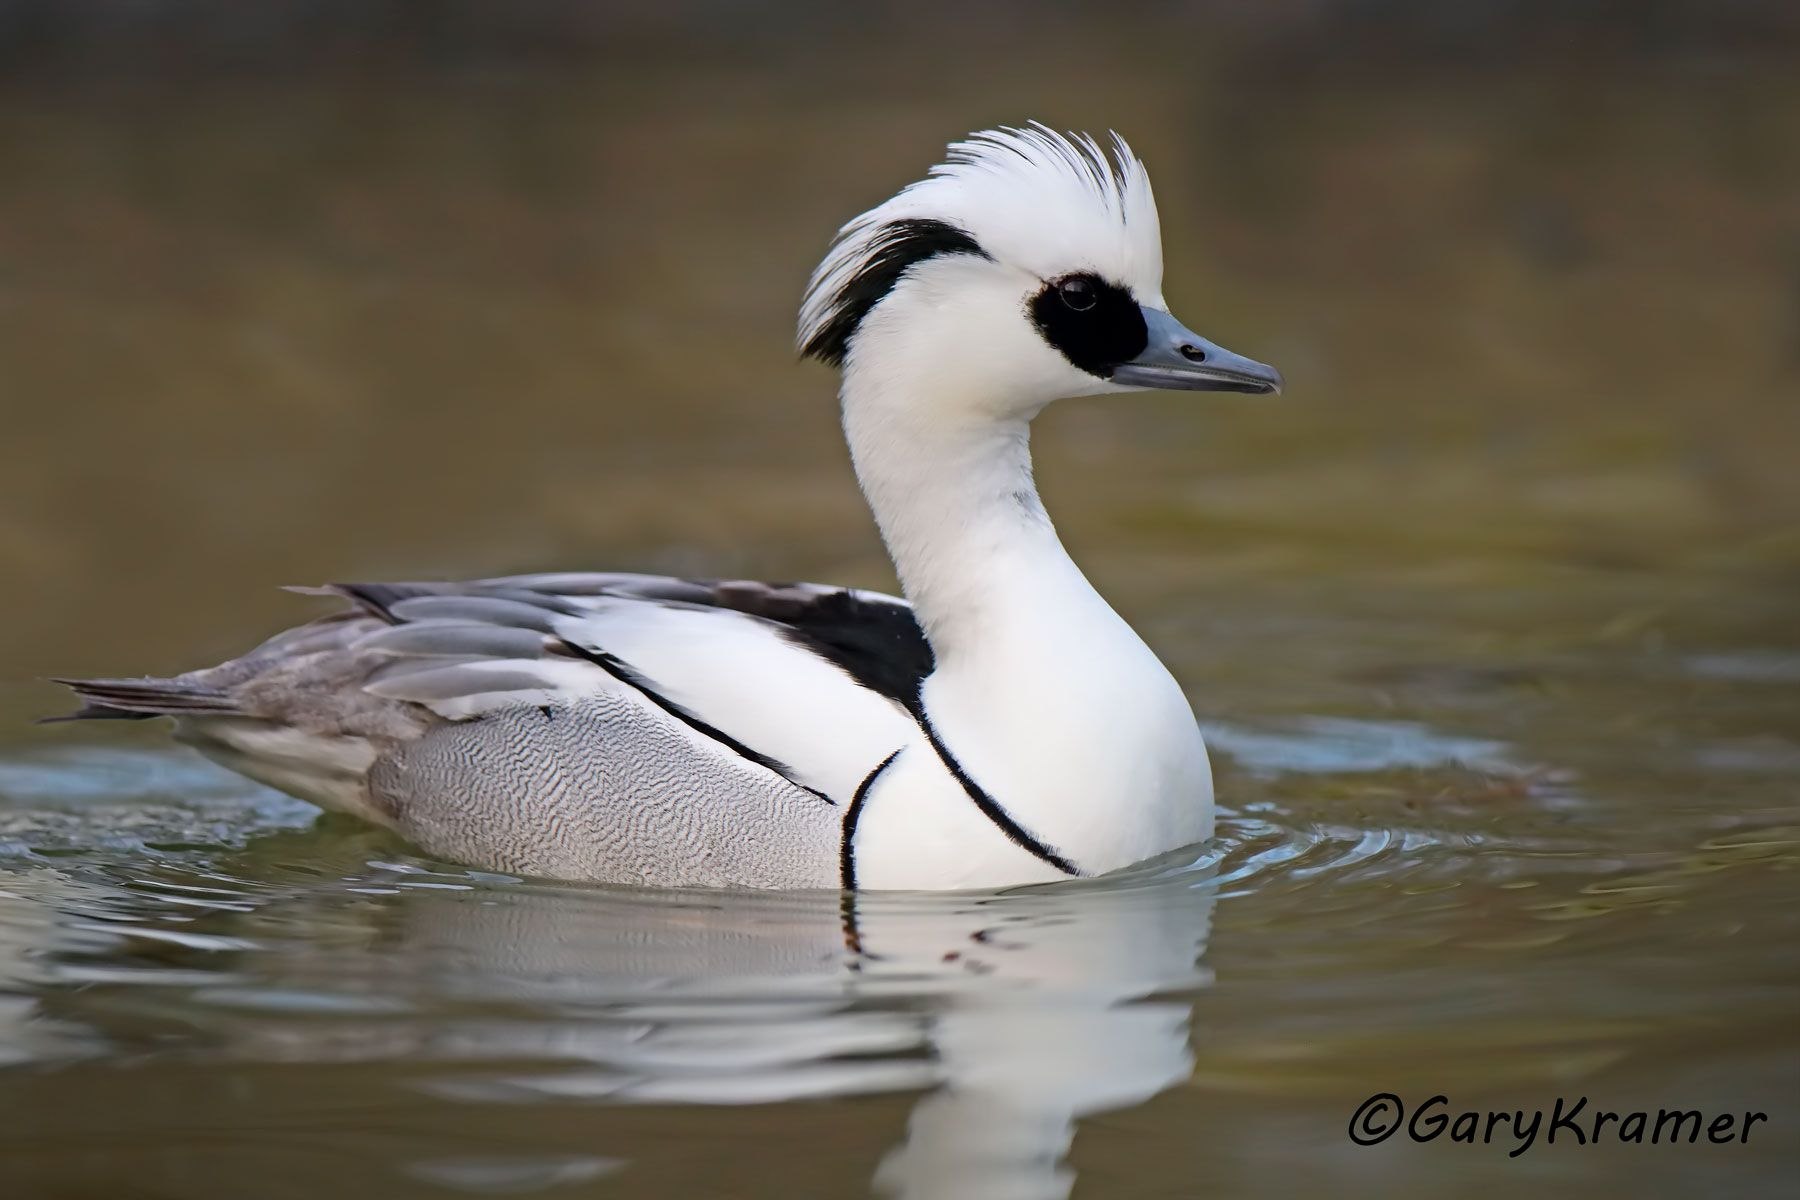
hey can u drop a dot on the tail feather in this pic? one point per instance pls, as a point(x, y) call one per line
point(95, 712)
point(140, 699)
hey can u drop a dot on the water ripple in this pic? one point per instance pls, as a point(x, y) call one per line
point(1360, 861)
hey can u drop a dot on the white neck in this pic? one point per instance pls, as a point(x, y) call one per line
point(960, 514)
point(1041, 691)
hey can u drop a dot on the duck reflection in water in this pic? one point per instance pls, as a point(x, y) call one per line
point(1018, 1012)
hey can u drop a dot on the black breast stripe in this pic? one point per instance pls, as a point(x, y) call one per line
point(991, 809)
point(853, 814)
point(624, 674)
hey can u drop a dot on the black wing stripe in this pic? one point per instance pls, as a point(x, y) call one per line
point(990, 808)
point(624, 674)
point(847, 848)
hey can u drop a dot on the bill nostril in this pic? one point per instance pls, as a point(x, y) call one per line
point(1192, 353)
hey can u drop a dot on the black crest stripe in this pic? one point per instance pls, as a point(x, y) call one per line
point(895, 249)
point(853, 814)
point(624, 674)
point(991, 809)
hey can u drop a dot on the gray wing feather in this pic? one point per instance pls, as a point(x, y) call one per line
point(485, 610)
point(438, 683)
point(452, 712)
point(458, 639)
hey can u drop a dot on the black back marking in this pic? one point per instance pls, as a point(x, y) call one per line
point(896, 249)
point(1106, 333)
point(874, 639)
point(990, 808)
point(852, 815)
point(876, 642)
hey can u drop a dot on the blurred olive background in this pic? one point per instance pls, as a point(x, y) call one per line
point(294, 291)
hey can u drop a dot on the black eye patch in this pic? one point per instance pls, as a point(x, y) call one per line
point(1095, 324)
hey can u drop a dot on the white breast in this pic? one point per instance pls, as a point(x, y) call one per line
point(1095, 755)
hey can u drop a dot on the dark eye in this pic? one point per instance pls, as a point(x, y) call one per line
point(1078, 293)
point(1095, 324)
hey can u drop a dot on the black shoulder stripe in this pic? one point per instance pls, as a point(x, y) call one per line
point(991, 809)
point(624, 674)
point(853, 814)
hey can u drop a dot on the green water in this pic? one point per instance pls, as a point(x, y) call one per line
point(1491, 622)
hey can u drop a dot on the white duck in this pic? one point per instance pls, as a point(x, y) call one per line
point(1004, 727)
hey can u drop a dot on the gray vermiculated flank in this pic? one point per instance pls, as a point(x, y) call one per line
point(536, 794)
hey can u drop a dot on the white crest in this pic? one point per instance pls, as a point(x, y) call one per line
point(1034, 199)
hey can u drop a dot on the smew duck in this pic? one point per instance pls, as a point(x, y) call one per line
point(1000, 725)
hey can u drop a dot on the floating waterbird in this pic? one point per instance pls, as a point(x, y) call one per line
point(1001, 725)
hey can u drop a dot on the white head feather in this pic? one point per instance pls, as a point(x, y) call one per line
point(1032, 199)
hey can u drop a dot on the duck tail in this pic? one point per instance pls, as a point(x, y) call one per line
point(142, 699)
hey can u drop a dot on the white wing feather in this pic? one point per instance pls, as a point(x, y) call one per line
point(747, 678)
